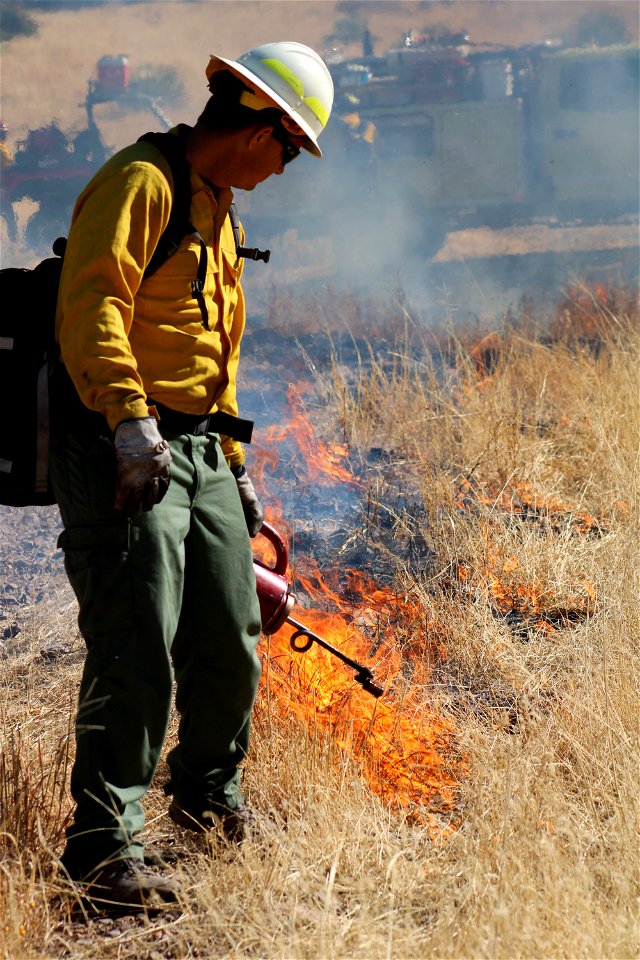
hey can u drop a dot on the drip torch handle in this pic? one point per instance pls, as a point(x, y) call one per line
point(364, 676)
point(282, 554)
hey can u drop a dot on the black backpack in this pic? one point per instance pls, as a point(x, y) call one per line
point(27, 347)
point(28, 352)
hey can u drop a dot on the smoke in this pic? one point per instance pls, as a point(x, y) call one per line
point(472, 186)
point(369, 217)
point(496, 180)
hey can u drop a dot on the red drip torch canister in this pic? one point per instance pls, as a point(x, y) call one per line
point(274, 590)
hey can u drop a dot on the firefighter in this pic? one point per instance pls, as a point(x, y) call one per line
point(156, 502)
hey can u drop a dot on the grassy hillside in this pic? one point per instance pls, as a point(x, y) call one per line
point(45, 76)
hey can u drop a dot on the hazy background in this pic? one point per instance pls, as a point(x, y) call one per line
point(45, 77)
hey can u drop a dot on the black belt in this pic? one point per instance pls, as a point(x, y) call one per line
point(198, 426)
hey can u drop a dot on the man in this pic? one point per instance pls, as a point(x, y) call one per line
point(155, 499)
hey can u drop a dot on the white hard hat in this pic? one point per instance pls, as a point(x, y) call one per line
point(290, 76)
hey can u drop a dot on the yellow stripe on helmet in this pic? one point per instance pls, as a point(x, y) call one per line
point(317, 107)
point(289, 77)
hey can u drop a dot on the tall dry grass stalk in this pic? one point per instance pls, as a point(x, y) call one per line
point(521, 454)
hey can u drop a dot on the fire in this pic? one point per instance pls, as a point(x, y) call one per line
point(581, 521)
point(584, 311)
point(523, 501)
point(530, 602)
point(526, 603)
point(325, 463)
point(405, 751)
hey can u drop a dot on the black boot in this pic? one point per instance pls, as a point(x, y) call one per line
point(125, 883)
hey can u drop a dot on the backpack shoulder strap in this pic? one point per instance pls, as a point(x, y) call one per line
point(172, 149)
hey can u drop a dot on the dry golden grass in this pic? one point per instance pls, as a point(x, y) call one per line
point(544, 860)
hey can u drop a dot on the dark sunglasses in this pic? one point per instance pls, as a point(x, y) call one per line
point(289, 150)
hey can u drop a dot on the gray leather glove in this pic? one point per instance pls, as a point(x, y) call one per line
point(143, 464)
point(253, 512)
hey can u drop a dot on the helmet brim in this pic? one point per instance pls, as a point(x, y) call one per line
point(310, 143)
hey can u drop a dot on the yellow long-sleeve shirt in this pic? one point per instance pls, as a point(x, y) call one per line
point(124, 339)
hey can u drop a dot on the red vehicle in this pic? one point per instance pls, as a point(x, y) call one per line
point(51, 168)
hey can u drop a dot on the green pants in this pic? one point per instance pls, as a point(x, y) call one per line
point(164, 594)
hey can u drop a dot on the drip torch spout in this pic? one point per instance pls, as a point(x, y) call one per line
point(303, 639)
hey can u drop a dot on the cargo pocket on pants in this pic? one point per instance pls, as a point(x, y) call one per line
point(97, 562)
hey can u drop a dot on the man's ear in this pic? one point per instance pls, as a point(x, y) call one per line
point(258, 137)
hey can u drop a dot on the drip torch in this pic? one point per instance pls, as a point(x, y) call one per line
point(277, 601)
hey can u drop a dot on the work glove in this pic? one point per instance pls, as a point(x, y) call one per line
point(253, 512)
point(143, 464)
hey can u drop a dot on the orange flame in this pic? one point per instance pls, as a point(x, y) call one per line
point(530, 600)
point(405, 750)
point(325, 463)
point(522, 500)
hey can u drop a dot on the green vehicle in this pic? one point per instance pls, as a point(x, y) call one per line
point(584, 116)
point(464, 137)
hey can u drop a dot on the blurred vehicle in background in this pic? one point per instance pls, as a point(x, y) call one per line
point(50, 167)
point(462, 136)
point(434, 136)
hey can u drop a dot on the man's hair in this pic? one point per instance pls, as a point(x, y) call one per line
point(223, 110)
